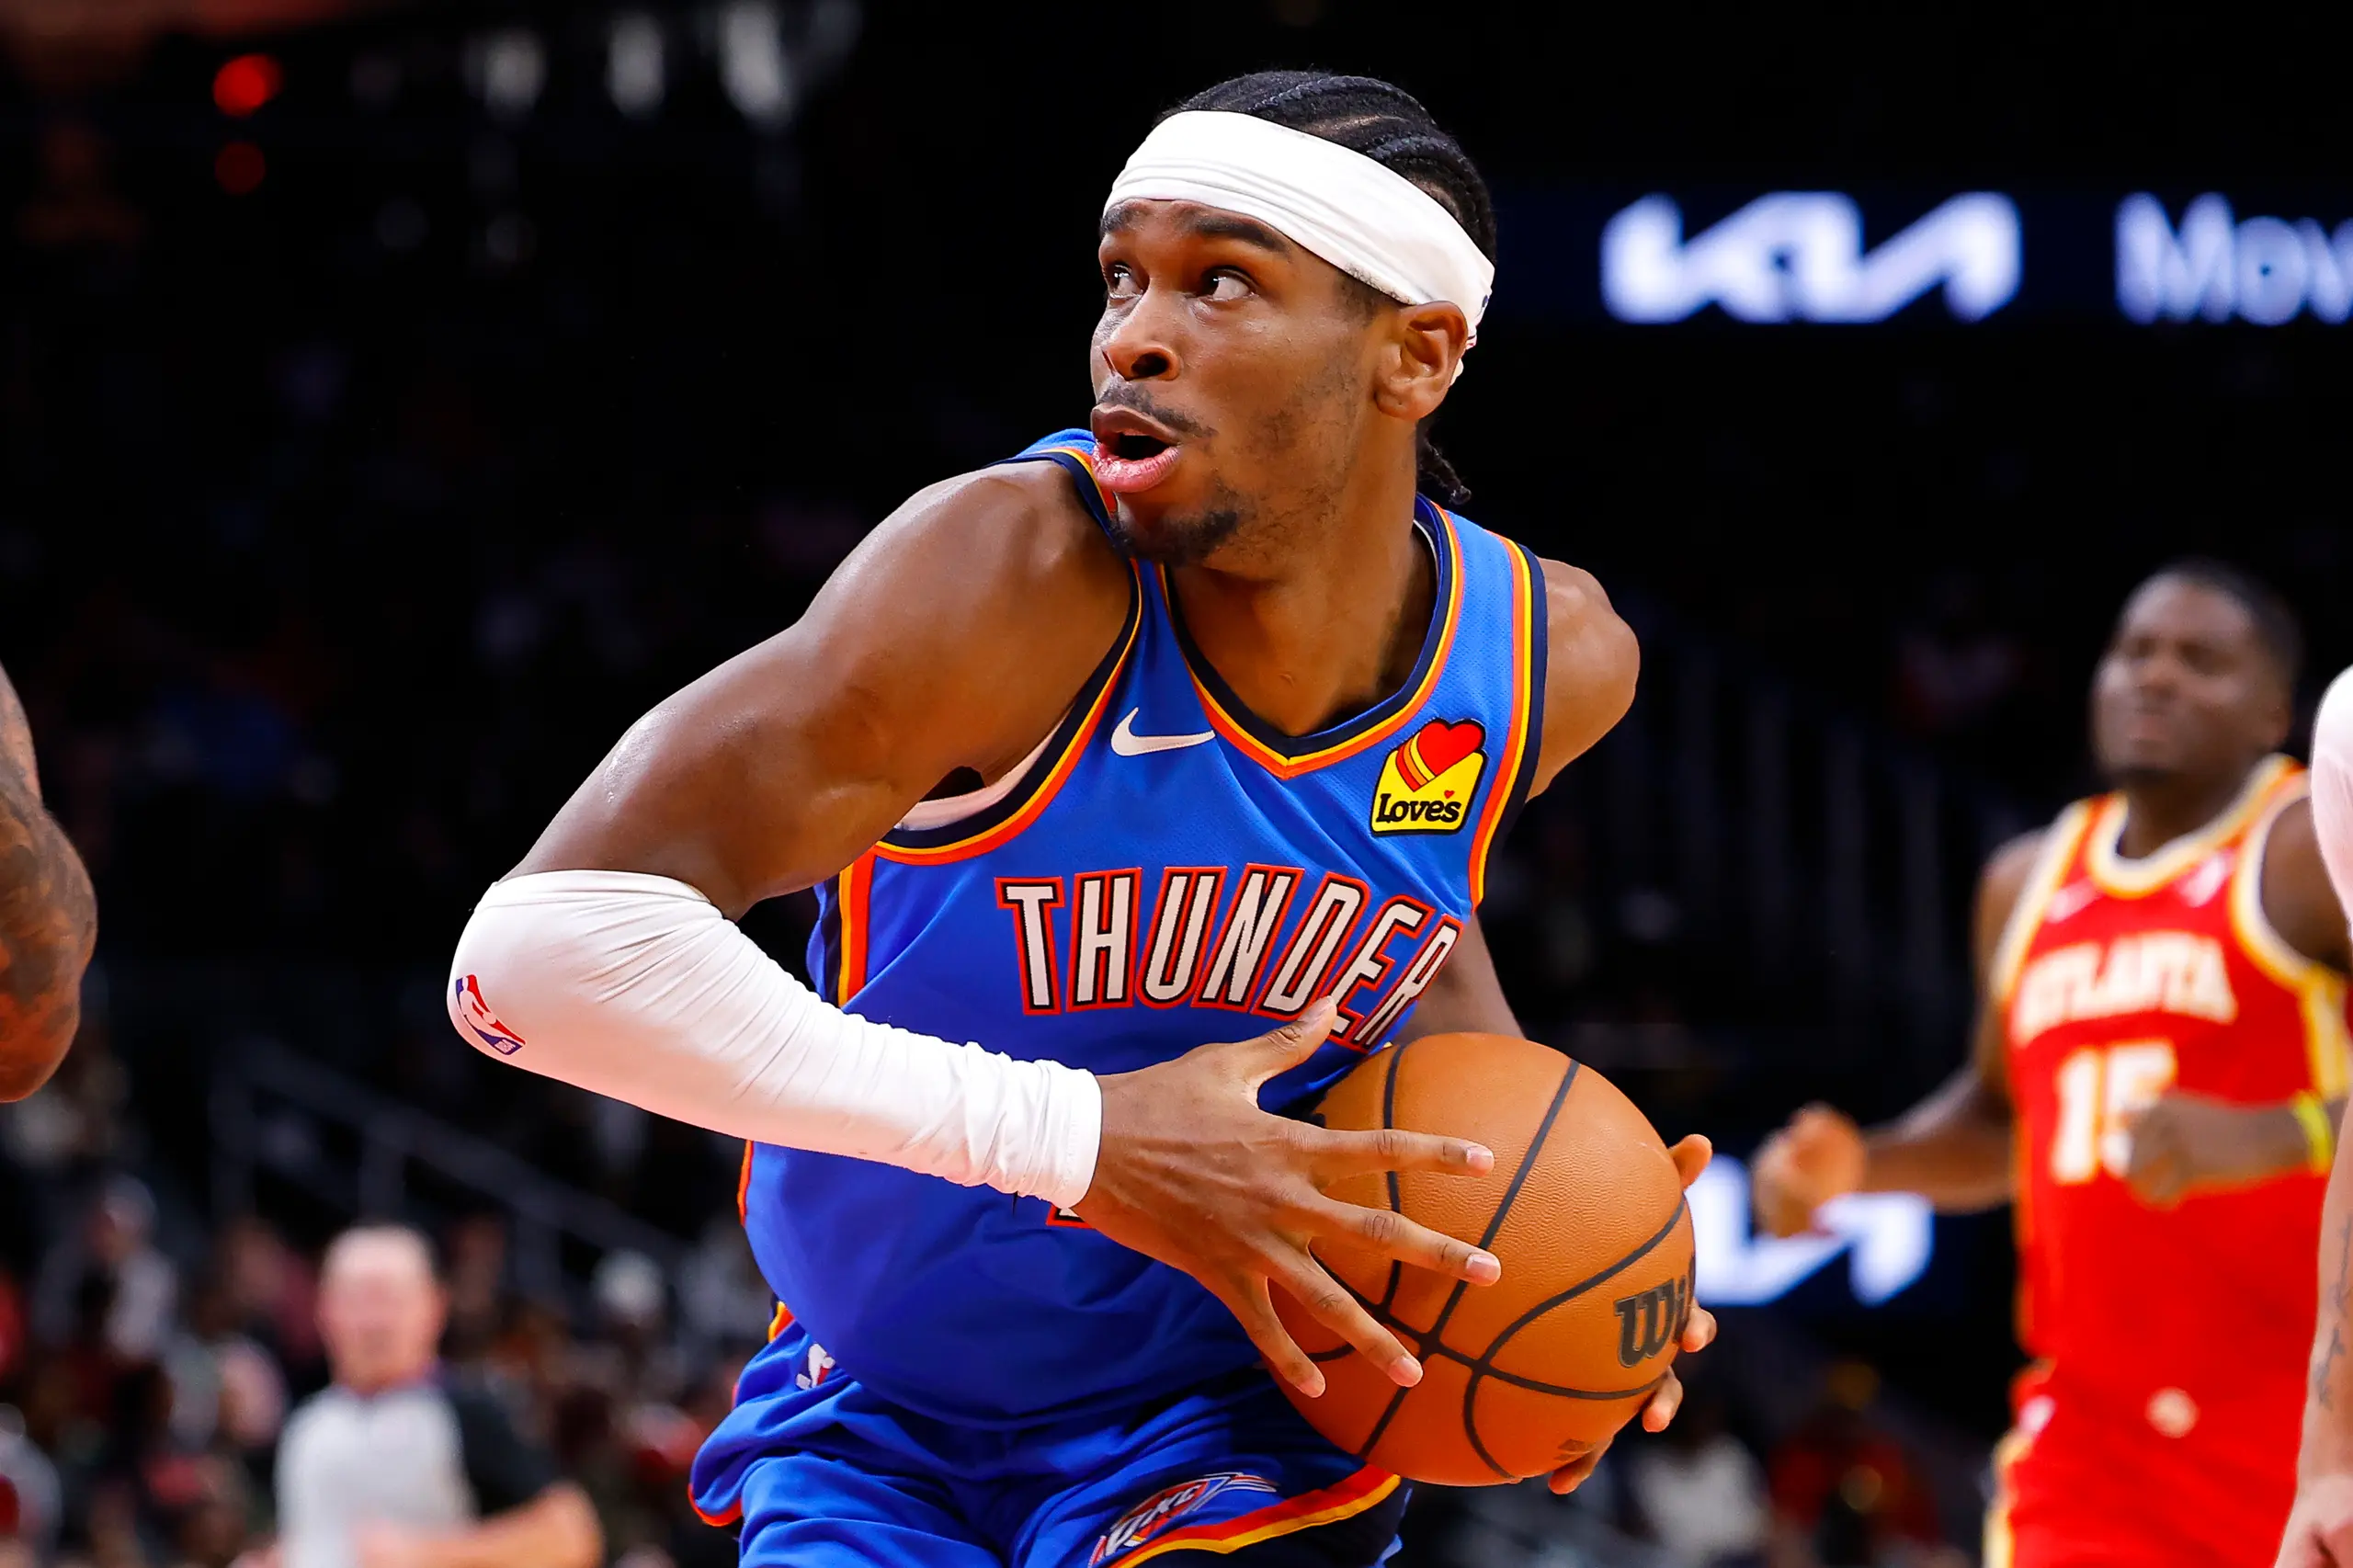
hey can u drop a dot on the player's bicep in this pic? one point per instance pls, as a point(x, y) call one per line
point(1591, 665)
point(954, 637)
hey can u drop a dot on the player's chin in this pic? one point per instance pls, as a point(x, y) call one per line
point(1173, 535)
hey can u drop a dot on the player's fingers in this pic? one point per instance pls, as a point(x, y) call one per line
point(1662, 1406)
point(1392, 1235)
point(1692, 1155)
point(1699, 1332)
point(1278, 1051)
point(1254, 1309)
point(2302, 1547)
point(1376, 1149)
point(1329, 1303)
point(1573, 1475)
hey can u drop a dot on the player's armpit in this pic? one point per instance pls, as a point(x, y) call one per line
point(954, 637)
point(1466, 997)
point(48, 918)
point(1591, 666)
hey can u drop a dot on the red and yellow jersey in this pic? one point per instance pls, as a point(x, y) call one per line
point(2118, 980)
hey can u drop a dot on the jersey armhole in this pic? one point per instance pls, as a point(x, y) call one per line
point(1531, 655)
point(2065, 836)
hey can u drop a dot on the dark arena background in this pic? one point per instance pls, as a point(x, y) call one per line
point(396, 400)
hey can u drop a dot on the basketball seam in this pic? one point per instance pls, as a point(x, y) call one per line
point(1396, 1201)
point(1486, 1240)
point(1483, 1366)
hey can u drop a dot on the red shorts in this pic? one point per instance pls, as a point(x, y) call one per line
point(2085, 1482)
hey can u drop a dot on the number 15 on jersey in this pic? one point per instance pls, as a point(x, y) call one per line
point(2101, 1088)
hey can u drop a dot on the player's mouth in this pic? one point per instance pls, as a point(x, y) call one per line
point(1133, 453)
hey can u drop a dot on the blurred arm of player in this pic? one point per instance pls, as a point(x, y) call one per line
point(952, 638)
point(1953, 1148)
point(2320, 1528)
point(2186, 1143)
point(1591, 668)
point(48, 919)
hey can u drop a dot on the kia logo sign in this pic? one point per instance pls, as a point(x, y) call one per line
point(2263, 270)
point(1799, 255)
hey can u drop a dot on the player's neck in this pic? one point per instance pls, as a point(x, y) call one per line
point(2157, 812)
point(1332, 622)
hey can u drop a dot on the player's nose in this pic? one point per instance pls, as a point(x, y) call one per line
point(1141, 348)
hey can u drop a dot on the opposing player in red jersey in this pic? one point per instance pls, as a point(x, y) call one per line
point(2159, 1062)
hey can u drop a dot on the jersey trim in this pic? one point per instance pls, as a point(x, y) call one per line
point(853, 892)
point(1531, 653)
point(986, 829)
point(2050, 863)
point(1368, 1488)
point(1074, 453)
point(2120, 878)
point(2319, 992)
point(1288, 756)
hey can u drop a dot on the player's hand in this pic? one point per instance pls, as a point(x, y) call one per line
point(2186, 1143)
point(1193, 1173)
point(1818, 1157)
point(1691, 1157)
point(2320, 1527)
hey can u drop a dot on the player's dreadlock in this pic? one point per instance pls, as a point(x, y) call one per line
point(1388, 125)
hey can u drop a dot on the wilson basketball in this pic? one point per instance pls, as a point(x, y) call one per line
point(1586, 1213)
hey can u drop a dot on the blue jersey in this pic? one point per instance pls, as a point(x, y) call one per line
point(1168, 871)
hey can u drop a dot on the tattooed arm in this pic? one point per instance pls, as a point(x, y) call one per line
point(47, 917)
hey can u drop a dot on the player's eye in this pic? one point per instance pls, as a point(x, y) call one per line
point(1121, 283)
point(1224, 288)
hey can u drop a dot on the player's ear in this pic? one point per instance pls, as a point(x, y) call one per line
point(1424, 346)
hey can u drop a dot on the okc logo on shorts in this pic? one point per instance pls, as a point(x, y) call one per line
point(476, 1015)
point(1154, 1515)
point(1425, 784)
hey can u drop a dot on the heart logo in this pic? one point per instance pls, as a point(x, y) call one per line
point(1442, 744)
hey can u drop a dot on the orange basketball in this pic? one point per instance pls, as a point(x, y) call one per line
point(1586, 1213)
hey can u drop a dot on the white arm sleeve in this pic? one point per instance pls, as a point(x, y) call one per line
point(637, 987)
point(2333, 785)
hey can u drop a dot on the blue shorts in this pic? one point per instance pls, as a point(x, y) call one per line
point(824, 1474)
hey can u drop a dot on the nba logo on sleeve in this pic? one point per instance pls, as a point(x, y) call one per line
point(475, 1014)
point(1425, 784)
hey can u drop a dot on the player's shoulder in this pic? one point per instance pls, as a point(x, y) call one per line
point(1009, 528)
point(2007, 869)
point(1592, 663)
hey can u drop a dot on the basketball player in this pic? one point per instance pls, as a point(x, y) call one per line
point(48, 918)
point(1197, 725)
point(2159, 1062)
point(2320, 1528)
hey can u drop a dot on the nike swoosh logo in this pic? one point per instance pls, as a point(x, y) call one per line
point(2068, 901)
point(1127, 743)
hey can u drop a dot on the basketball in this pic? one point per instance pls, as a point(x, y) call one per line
point(1584, 1212)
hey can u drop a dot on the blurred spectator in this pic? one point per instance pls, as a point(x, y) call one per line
point(1955, 669)
point(31, 1502)
point(398, 1465)
point(115, 1250)
point(1699, 1492)
point(1844, 1493)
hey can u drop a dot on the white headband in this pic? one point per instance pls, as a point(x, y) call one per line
point(1372, 222)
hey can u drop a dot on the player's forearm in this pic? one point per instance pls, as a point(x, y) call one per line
point(1953, 1148)
point(2328, 1409)
point(637, 987)
point(48, 925)
point(555, 1529)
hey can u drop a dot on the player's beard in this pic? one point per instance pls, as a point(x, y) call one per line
point(1183, 540)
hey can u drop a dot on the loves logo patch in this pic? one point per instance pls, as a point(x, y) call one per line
point(1426, 784)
